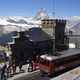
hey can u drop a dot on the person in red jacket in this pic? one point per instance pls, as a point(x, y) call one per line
point(14, 68)
point(34, 65)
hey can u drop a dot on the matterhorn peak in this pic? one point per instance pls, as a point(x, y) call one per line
point(42, 14)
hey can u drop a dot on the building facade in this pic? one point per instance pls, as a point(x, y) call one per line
point(56, 29)
point(27, 45)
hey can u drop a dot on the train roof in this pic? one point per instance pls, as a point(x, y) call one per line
point(61, 54)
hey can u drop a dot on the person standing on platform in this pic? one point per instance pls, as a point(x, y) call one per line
point(34, 65)
point(14, 68)
point(20, 66)
point(3, 72)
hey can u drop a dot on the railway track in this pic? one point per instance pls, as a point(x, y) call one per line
point(37, 76)
point(34, 76)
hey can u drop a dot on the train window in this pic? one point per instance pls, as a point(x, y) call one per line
point(44, 62)
point(65, 60)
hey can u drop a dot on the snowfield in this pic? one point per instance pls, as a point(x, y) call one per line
point(18, 23)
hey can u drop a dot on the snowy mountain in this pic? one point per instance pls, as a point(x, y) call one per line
point(42, 14)
point(74, 26)
point(8, 25)
point(16, 23)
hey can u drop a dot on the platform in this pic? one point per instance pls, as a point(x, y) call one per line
point(70, 75)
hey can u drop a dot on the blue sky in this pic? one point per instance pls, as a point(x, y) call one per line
point(67, 8)
point(62, 8)
point(24, 7)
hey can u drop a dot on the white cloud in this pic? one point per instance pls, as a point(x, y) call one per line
point(72, 18)
point(76, 17)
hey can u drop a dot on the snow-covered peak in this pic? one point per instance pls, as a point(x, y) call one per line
point(42, 14)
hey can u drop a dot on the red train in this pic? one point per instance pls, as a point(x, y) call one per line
point(59, 61)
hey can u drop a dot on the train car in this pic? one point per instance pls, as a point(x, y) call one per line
point(59, 61)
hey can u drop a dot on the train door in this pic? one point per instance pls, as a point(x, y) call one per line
point(44, 65)
point(52, 67)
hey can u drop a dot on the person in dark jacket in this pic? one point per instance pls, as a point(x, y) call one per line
point(3, 71)
point(20, 66)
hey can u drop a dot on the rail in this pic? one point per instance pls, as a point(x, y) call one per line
point(33, 76)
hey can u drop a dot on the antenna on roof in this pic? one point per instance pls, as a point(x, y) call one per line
point(53, 14)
